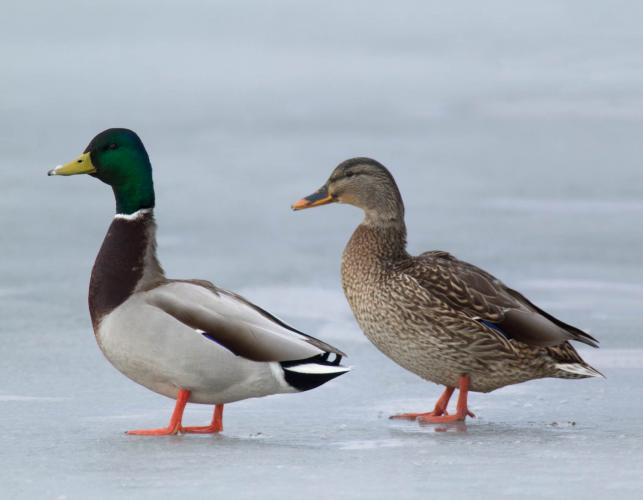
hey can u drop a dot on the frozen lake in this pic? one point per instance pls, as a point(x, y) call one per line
point(515, 135)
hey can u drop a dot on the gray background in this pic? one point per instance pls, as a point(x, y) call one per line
point(514, 131)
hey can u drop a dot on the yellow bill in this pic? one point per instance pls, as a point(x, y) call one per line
point(81, 165)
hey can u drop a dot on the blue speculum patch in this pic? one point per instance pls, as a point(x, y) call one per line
point(495, 326)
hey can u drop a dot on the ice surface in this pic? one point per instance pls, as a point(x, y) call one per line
point(514, 131)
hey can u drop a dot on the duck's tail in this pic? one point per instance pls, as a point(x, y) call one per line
point(307, 374)
point(577, 370)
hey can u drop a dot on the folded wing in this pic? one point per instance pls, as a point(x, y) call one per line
point(486, 299)
point(237, 324)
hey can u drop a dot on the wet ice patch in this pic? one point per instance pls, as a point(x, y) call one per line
point(21, 398)
point(326, 309)
point(305, 302)
point(595, 298)
point(581, 107)
point(374, 444)
point(342, 331)
point(593, 285)
point(566, 206)
point(129, 416)
point(614, 358)
point(17, 291)
point(563, 424)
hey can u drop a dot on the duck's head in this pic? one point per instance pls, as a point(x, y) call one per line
point(117, 157)
point(364, 183)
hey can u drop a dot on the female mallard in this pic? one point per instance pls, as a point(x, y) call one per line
point(186, 339)
point(443, 319)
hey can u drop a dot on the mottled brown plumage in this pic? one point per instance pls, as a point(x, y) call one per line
point(435, 315)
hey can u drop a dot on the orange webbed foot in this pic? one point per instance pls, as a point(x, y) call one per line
point(417, 416)
point(164, 431)
point(204, 429)
point(444, 419)
point(441, 419)
point(440, 415)
point(175, 421)
point(215, 426)
point(439, 410)
point(462, 410)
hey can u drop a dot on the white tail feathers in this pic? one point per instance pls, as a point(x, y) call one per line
point(317, 369)
point(580, 370)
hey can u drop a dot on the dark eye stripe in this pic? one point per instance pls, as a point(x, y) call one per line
point(344, 175)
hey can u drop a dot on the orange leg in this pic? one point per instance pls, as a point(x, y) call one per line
point(439, 410)
point(462, 411)
point(215, 427)
point(175, 421)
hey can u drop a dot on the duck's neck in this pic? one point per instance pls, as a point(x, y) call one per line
point(381, 243)
point(126, 263)
point(136, 190)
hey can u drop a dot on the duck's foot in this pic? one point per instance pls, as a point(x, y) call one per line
point(175, 420)
point(416, 416)
point(443, 419)
point(215, 427)
point(204, 429)
point(462, 410)
point(439, 410)
point(164, 431)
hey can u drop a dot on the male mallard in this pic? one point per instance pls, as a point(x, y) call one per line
point(186, 339)
point(443, 319)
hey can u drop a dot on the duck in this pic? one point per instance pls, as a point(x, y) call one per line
point(185, 339)
point(441, 318)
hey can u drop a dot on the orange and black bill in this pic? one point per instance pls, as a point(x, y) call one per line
point(319, 197)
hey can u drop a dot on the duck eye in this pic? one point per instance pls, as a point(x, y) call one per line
point(350, 174)
point(112, 146)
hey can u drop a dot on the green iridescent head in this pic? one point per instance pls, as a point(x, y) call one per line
point(118, 158)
